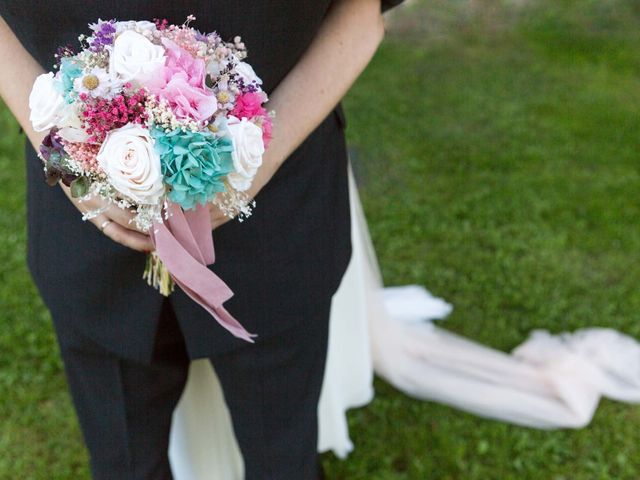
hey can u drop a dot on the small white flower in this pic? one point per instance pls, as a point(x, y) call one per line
point(97, 83)
point(132, 165)
point(223, 82)
point(219, 126)
point(248, 148)
point(226, 99)
point(247, 73)
point(46, 103)
point(134, 58)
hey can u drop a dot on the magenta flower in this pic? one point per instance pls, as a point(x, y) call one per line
point(249, 105)
point(102, 115)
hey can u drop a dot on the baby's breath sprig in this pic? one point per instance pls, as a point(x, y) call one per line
point(190, 18)
point(234, 204)
point(161, 116)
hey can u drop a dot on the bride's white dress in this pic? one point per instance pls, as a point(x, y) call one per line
point(550, 381)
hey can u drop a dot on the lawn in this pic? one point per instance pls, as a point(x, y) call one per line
point(496, 145)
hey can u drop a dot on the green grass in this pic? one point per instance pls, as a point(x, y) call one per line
point(497, 151)
point(39, 437)
point(498, 158)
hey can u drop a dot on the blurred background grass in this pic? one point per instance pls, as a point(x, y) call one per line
point(496, 145)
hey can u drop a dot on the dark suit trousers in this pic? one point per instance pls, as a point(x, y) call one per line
point(271, 387)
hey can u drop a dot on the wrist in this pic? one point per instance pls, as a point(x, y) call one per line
point(34, 137)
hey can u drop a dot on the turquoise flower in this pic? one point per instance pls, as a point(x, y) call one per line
point(70, 69)
point(194, 165)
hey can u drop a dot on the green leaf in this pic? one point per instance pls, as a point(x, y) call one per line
point(80, 187)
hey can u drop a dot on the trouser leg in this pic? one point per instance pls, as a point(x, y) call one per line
point(272, 390)
point(124, 407)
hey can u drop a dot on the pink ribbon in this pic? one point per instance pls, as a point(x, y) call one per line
point(184, 243)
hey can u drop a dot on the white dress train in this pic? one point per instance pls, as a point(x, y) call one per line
point(550, 381)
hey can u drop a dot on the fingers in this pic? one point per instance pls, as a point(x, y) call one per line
point(217, 217)
point(128, 238)
point(124, 236)
point(217, 221)
point(115, 223)
point(124, 218)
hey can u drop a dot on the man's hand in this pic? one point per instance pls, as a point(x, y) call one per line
point(114, 222)
point(217, 217)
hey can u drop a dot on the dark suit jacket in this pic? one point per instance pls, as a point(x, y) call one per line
point(283, 263)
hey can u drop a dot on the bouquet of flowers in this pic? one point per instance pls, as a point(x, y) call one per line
point(159, 119)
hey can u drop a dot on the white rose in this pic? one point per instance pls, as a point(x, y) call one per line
point(132, 165)
point(247, 73)
point(46, 103)
point(140, 26)
point(248, 149)
point(71, 126)
point(134, 58)
point(73, 135)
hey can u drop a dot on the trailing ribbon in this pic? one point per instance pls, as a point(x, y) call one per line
point(184, 243)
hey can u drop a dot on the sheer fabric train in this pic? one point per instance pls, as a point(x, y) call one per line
point(550, 381)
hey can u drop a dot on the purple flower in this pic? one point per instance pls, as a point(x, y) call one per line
point(104, 33)
point(53, 153)
point(51, 144)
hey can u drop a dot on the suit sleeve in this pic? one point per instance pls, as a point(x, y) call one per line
point(387, 4)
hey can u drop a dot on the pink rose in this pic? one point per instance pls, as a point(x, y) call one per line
point(181, 82)
point(187, 101)
point(180, 60)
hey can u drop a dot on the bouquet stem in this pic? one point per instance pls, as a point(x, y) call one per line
point(157, 275)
